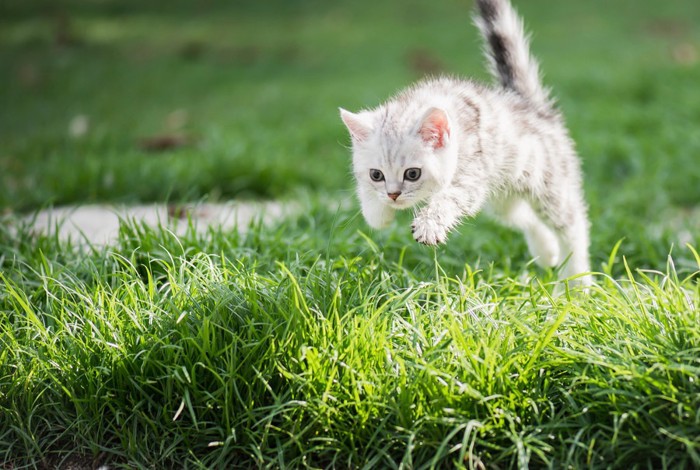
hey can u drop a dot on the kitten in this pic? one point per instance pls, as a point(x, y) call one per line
point(454, 147)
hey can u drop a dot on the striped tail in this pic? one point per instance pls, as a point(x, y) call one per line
point(508, 51)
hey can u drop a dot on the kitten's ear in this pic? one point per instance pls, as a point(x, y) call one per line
point(435, 128)
point(359, 124)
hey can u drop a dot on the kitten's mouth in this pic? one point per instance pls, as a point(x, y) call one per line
point(399, 203)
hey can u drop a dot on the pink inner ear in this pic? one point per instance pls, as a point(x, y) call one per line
point(436, 128)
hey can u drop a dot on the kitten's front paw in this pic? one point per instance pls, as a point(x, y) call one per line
point(428, 232)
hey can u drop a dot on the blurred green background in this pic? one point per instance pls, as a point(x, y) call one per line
point(134, 101)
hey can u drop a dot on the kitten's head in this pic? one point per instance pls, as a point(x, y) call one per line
point(401, 158)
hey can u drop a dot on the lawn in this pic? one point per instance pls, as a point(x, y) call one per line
point(315, 341)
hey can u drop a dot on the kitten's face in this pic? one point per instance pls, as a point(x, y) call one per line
point(399, 173)
point(400, 167)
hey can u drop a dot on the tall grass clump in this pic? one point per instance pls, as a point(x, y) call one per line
point(227, 356)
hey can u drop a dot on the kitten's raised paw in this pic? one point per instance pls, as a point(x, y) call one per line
point(428, 232)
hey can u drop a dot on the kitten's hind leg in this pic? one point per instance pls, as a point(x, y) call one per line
point(570, 223)
point(541, 240)
point(574, 244)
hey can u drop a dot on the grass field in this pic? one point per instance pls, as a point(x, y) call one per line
point(316, 342)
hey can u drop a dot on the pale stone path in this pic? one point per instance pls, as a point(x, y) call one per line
point(99, 224)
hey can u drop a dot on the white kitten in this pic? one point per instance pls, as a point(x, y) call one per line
point(455, 147)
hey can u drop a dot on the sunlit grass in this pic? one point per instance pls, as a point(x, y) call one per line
point(216, 351)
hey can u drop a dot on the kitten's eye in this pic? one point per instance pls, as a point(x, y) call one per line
point(412, 174)
point(376, 175)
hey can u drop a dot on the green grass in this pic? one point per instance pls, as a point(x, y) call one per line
point(315, 342)
point(221, 350)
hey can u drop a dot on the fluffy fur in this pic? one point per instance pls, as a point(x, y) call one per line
point(450, 147)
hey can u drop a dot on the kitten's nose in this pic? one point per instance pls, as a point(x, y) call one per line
point(393, 196)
